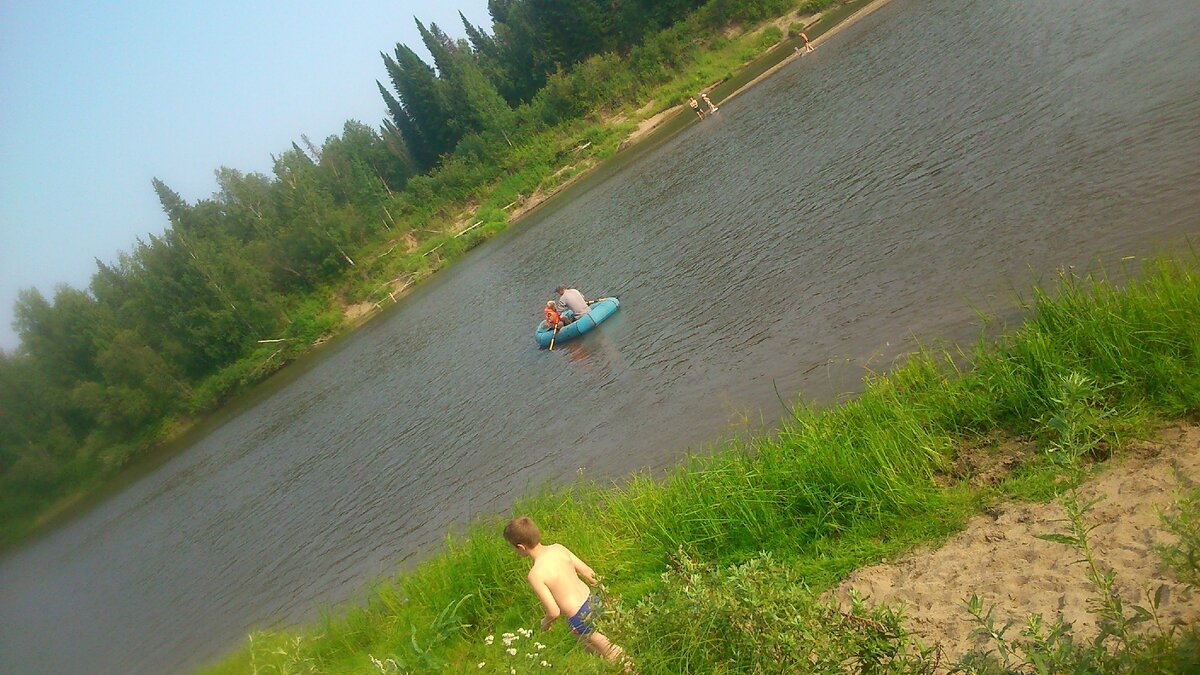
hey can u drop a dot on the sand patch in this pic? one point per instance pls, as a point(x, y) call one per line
point(999, 556)
point(359, 312)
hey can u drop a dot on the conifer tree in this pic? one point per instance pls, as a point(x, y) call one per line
point(424, 122)
point(473, 104)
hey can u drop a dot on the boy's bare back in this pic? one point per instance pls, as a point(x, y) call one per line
point(555, 578)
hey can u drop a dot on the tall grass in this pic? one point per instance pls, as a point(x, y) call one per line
point(832, 490)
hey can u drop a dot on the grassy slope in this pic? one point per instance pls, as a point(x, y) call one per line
point(833, 490)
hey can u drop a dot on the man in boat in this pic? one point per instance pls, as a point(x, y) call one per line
point(571, 299)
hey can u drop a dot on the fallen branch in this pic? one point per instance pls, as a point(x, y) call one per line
point(468, 229)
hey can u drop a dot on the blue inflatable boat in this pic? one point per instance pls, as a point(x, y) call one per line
point(600, 311)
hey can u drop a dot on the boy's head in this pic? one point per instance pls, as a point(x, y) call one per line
point(523, 534)
point(549, 303)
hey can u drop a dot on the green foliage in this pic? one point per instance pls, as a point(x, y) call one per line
point(1183, 521)
point(758, 617)
point(814, 6)
point(770, 37)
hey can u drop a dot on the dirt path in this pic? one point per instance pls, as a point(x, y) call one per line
point(999, 557)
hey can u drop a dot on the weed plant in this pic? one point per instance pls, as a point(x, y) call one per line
point(1128, 640)
point(1183, 521)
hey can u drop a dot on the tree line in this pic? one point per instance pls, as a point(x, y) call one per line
point(243, 281)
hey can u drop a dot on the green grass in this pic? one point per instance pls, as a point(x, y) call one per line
point(1095, 363)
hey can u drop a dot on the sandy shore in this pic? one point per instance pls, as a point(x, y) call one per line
point(1000, 557)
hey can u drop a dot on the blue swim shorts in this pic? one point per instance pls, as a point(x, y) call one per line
point(583, 622)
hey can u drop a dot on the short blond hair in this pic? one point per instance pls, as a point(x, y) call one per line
point(522, 530)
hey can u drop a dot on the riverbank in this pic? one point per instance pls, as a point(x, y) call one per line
point(758, 50)
point(742, 543)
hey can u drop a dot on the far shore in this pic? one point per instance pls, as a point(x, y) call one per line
point(356, 315)
point(648, 128)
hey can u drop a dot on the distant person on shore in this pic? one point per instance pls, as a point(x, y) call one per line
point(711, 108)
point(573, 300)
point(553, 318)
point(807, 45)
point(555, 579)
point(695, 108)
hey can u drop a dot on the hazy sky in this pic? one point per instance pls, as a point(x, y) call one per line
point(98, 98)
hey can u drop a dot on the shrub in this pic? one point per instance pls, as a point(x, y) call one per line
point(769, 37)
point(758, 617)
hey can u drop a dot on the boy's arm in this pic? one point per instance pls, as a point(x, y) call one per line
point(583, 570)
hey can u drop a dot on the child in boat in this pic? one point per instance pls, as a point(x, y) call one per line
point(555, 580)
point(553, 318)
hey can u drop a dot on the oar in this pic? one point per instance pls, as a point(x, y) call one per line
point(552, 336)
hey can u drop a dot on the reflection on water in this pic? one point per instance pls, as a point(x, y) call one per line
point(598, 357)
point(931, 160)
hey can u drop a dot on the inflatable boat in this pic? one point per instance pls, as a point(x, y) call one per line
point(601, 310)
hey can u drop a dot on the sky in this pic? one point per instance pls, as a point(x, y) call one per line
point(98, 98)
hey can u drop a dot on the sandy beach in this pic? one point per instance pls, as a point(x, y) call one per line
point(1000, 557)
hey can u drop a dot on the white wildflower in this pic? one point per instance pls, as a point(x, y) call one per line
point(488, 640)
point(481, 665)
point(545, 664)
point(531, 656)
point(512, 651)
point(539, 646)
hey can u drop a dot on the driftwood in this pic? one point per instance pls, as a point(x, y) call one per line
point(393, 248)
point(468, 229)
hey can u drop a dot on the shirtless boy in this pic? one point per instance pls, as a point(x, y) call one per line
point(555, 579)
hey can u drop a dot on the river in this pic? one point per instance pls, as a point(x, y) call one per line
point(934, 159)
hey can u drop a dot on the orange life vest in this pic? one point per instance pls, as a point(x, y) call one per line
point(552, 317)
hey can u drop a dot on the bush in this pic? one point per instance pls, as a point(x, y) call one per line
point(769, 37)
point(758, 617)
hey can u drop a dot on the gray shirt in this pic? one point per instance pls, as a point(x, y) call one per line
point(573, 300)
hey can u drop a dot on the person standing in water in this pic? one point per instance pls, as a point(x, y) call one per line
point(695, 108)
point(711, 108)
